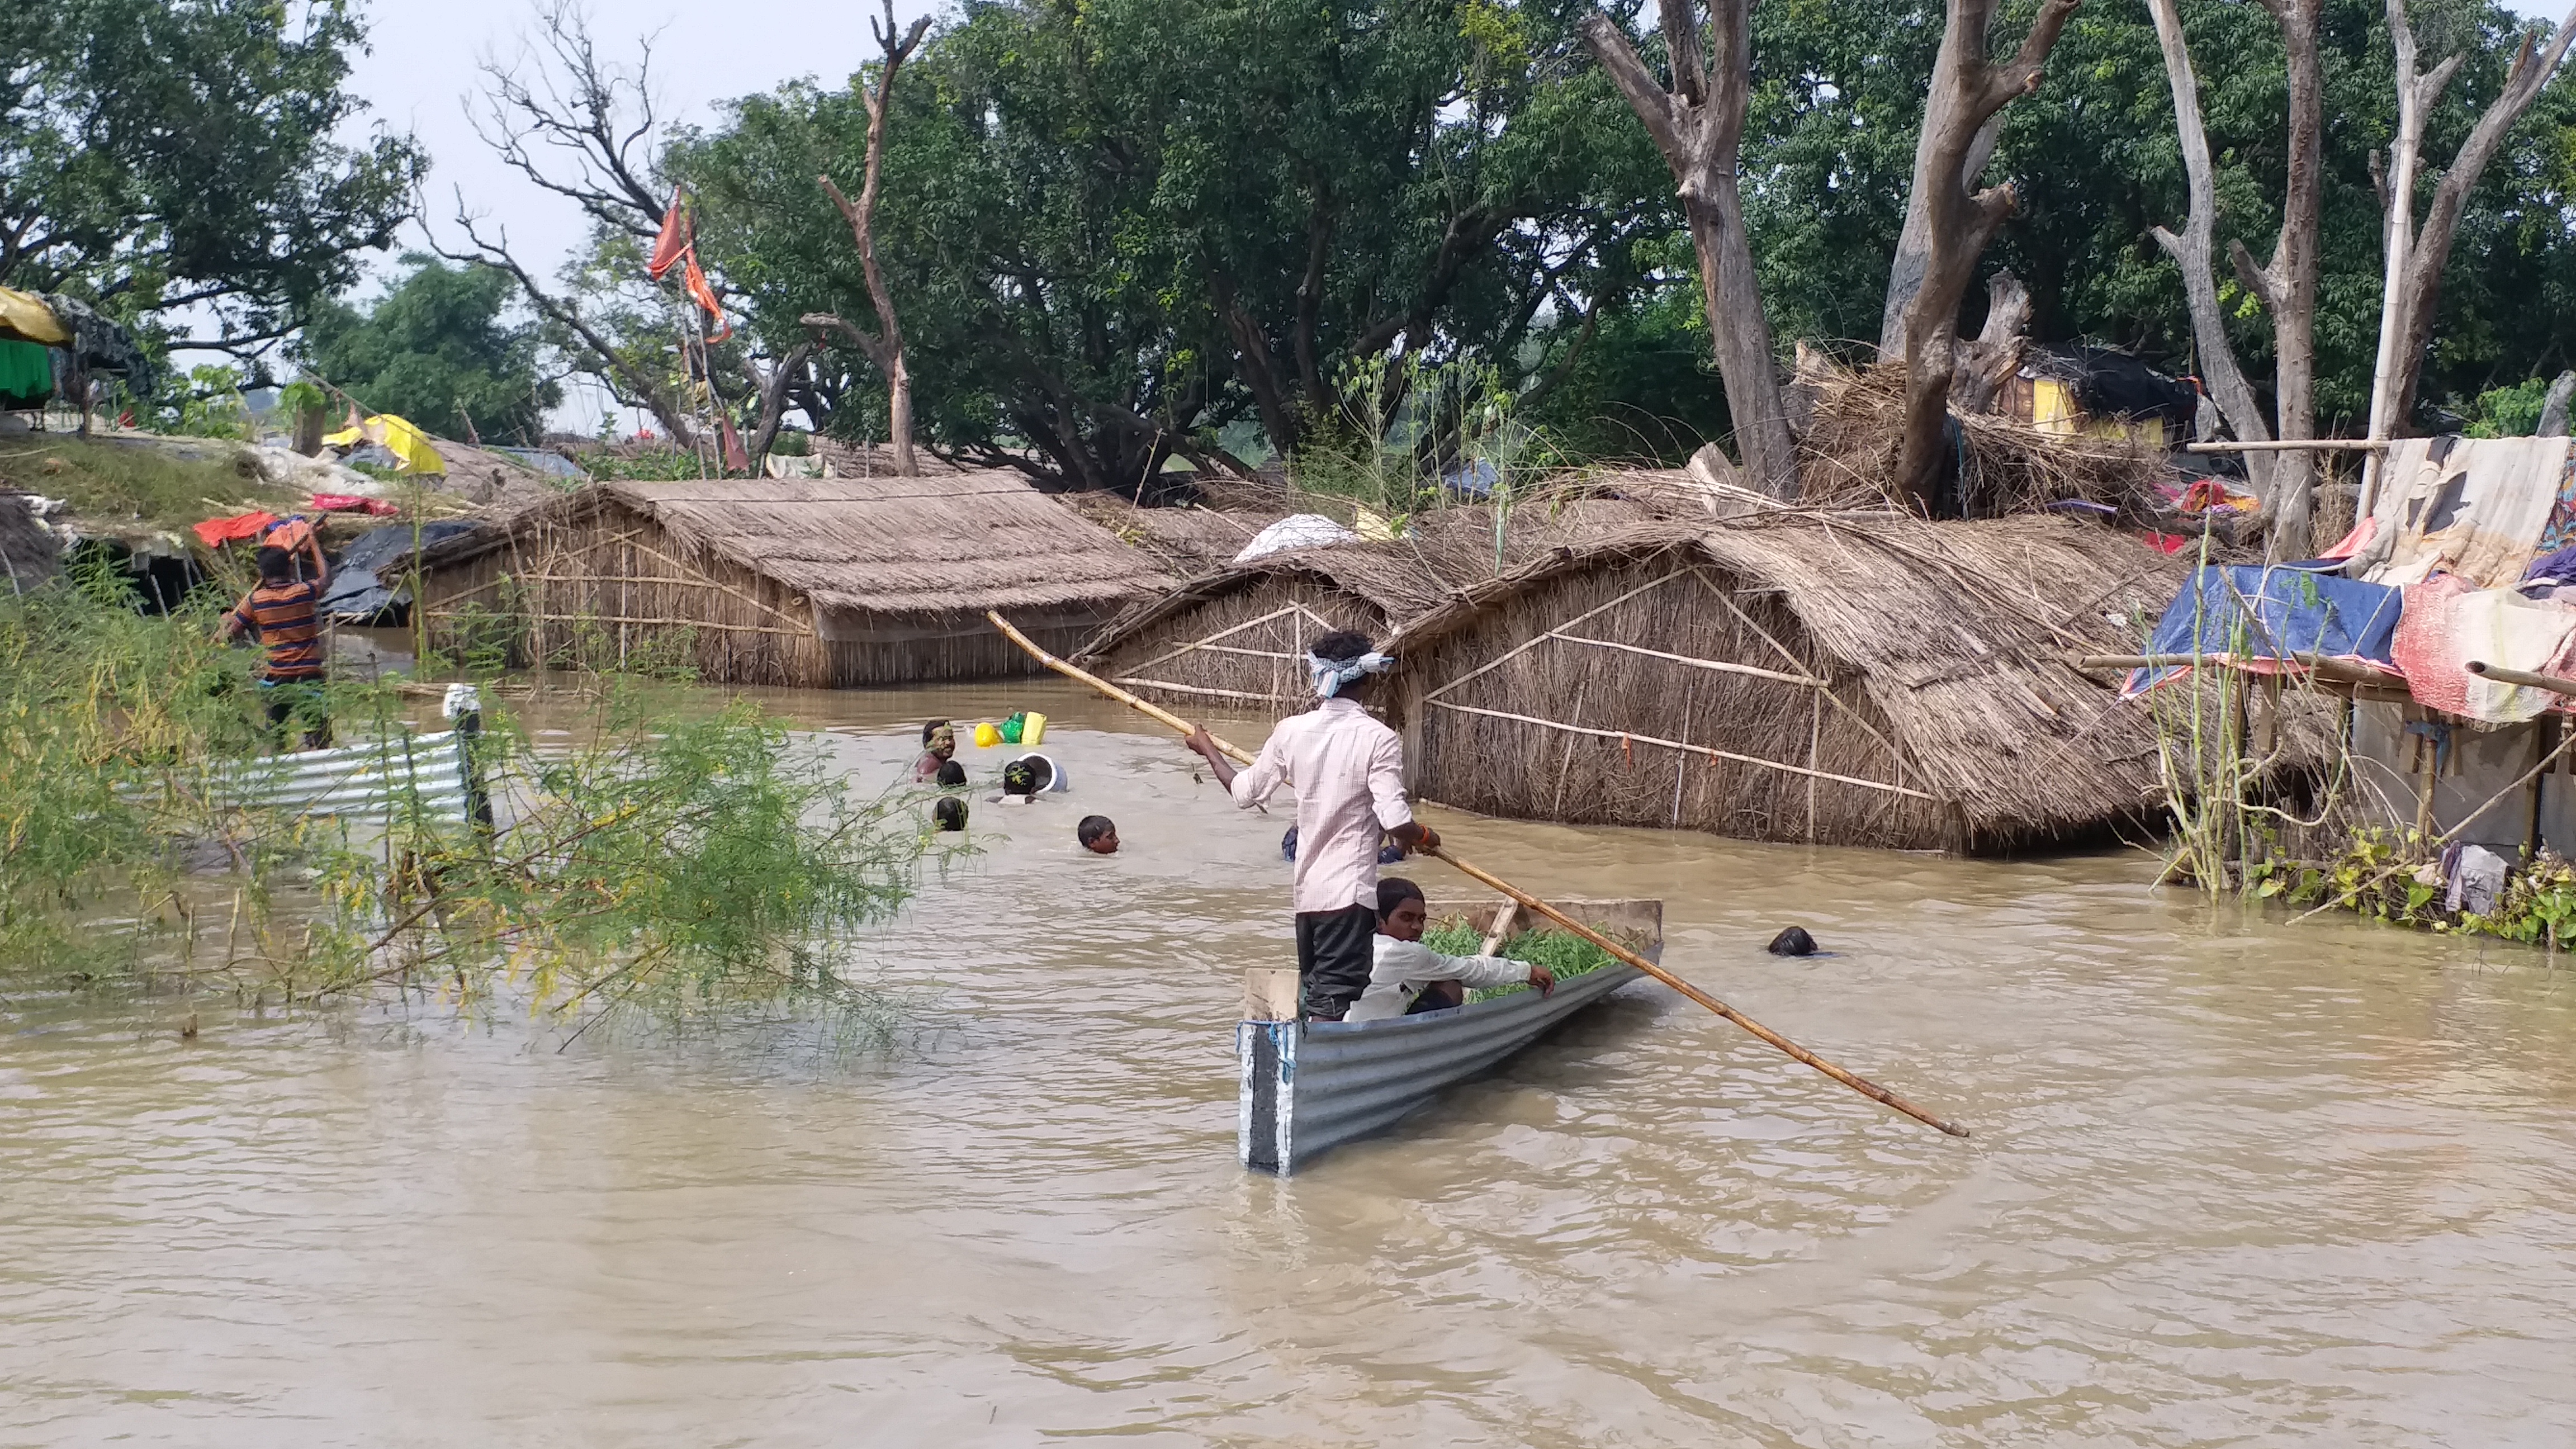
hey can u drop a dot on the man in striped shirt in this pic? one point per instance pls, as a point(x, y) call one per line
point(285, 612)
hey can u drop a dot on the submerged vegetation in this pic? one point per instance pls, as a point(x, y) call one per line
point(646, 858)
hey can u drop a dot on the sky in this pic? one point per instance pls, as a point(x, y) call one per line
point(426, 56)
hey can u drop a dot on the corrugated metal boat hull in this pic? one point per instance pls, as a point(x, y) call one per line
point(1306, 1088)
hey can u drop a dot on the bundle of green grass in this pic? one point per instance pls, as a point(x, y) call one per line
point(1565, 956)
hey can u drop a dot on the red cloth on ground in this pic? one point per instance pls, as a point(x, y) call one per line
point(352, 503)
point(216, 532)
point(2166, 542)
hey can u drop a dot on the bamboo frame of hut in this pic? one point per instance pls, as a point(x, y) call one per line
point(1233, 639)
point(1839, 680)
point(815, 585)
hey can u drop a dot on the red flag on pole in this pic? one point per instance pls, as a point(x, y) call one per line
point(696, 282)
point(735, 459)
point(673, 241)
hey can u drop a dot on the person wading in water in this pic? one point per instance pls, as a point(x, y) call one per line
point(1348, 772)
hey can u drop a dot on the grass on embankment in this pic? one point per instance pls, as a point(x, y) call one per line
point(158, 484)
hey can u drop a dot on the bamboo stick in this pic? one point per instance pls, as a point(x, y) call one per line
point(2293, 445)
point(1862, 1085)
point(2501, 675)
point(1719, 665)
point(1708, 750)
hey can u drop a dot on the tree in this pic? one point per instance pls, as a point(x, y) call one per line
point(1121, 231)
point(1968, 90)
point(884, 347)
point(583, 126)
point(1697, 122)
point(2416, 257)
point(435, 350)
point(160, 156)
point(2194, 251)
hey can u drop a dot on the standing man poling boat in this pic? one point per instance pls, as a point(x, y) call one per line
point(1348, 772)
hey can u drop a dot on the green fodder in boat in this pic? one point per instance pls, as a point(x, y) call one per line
point(1563, 955)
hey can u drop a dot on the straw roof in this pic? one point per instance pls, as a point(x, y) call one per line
point(1447, 552)
point(1955, 634)
point(1184, 542)
point(954, 542)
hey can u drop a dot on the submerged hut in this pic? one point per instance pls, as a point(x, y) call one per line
point(1233, 637)
point(808, 582)
point(1852, 679)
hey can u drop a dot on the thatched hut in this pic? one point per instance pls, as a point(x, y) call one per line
point(1233, 637)
point(1845, 679)
point(1182, 541)
point(818, 583)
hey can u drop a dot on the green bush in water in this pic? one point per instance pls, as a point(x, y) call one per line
point(1563, 955)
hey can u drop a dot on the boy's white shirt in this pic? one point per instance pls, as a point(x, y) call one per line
point(1403, 968)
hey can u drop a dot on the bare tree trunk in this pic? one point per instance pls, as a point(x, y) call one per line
point(2195, 252)
point(773, 405)
point(1914, 243)
point(2553, 408)
point(2288, 287)
point(1698, 123)
point(1996, 352)
point(2431, 251)
point(2415, 96)
point(885, 348)
point(1968, 90)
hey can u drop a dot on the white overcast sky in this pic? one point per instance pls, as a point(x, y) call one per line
point(425, 53)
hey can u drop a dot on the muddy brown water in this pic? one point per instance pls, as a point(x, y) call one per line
point(2233, 1183)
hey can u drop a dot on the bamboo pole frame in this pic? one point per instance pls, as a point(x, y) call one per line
point(1710, 751)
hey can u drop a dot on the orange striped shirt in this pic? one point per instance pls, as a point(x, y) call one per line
point(287, 618)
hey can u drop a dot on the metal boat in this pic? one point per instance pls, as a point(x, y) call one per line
point(1308, 1087)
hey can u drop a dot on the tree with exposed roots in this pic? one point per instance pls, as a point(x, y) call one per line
point(1968, 90)
point(884, 347)
point(1697, 122)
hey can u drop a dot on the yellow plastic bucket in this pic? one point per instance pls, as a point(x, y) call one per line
point(1033, 729)
point(986, 736)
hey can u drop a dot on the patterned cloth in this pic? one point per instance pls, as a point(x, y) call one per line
point(287, 620)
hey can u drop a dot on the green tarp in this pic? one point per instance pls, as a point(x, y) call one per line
point(26, 374)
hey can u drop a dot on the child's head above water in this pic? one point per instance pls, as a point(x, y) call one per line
point(952, 775)
point(949, 813)
point(1098, 834)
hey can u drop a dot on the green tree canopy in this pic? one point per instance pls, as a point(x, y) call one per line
point(1113, 226)
point(435, 350)
point(159, 155)
point(2093, 157)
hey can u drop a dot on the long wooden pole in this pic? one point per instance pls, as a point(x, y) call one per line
point(1862, 1085)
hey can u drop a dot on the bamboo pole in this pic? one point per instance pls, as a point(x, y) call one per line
point(2293, 445)
point(1528, 902)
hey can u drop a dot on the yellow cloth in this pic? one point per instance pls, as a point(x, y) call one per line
point(29, 320)
point(409, 445)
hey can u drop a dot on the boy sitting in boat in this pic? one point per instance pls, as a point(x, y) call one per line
point(1410, 977)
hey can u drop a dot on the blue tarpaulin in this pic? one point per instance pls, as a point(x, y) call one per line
point(2242, 614)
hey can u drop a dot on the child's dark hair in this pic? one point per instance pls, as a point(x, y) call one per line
point(952, 775)
point(276, 565)
point(1393, 891)
point(933, 728)
point(949, 813)
point(1341, 646)
point(1792, 942)
point(1019, 777)
point(1094, 829)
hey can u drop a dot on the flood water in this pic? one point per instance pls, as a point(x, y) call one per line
point(2232, 1183)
